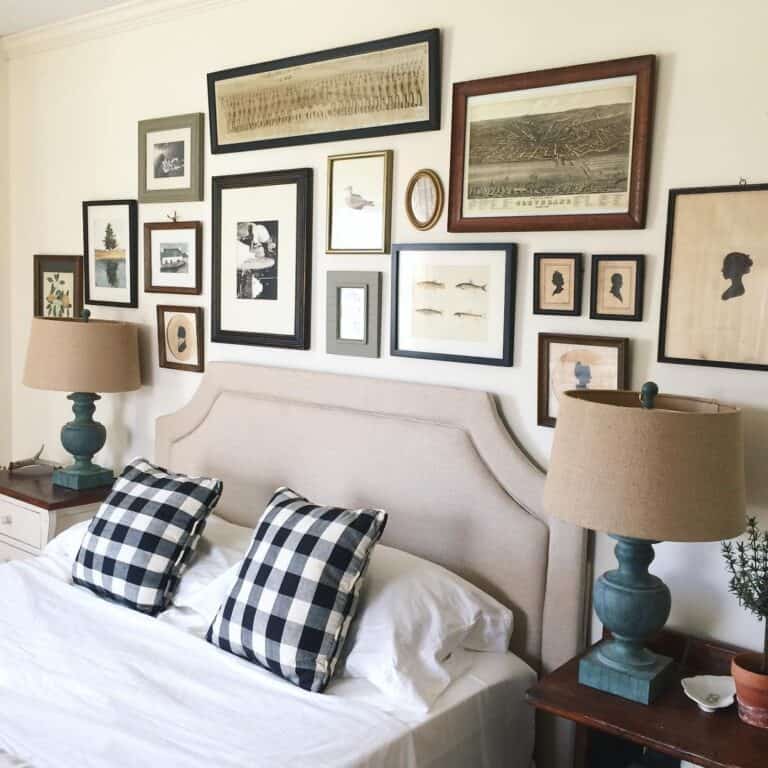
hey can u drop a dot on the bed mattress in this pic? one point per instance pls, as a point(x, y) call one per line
point(88, 684)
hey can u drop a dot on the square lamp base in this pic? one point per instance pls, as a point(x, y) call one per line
point(642, 686)
point(79, 480)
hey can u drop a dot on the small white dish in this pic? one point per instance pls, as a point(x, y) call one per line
point(710, 692)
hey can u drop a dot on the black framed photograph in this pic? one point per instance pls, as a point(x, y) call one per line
point(359, 202)
point(110, 246)
point(617, 287)
point(554, 149)
point(353, 313)
point(171, 159)
point(262, 258)
point(573, 361)
point(377, 88)
point(58, 286)
point(454, 302)
point(714, 301)
point(173, 257)
point(180, 338)
point(557, 281)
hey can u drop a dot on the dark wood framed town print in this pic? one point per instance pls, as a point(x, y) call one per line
point(572, 361)
point(565, 148)
point(454, 302)
point(181, 338)
point(171, 159)
point(110, 245)
point(617, 287)
point(557, 282)
point(714, 301)
point(378, 88)
point(262, 258)
point(58, 286)
point(353, 313)
point(173, 257)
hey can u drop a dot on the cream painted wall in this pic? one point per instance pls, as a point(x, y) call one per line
point(5, 269)
point(73, 137)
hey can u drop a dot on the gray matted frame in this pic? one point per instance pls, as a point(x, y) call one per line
point(371, 282)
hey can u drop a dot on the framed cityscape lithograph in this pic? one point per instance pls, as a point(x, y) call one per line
point(180, 341)
point(58, 288)
point(617, 287)
point(571, 361)
point(565, 148)
point(110, 265)
point(262, 258)
point(714, 301)
point(171, 159)
point(557, 279)
point(376, 88)
point(173, 257)
point(454, 302)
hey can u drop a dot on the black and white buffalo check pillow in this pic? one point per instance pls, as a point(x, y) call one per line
point(297, 589)
point(143, 536)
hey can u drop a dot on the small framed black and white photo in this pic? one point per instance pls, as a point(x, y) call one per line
point(359, 202)
point(180, 338)
point(557, 280)
point(353, 317)
point(110, 266)
point(171, 159)
point(173, 257)
point(617, 288)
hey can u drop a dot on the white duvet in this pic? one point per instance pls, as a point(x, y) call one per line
point(85, 683)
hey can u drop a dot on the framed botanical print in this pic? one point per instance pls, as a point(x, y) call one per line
point(173, 257)
point(714, 300)
point(262, 258)
point(569, 361)
point(377, 88)
point(617, 288)
point(111, 253)
point(563, 148)
point(353, 313)
point(557, 279)
point(58, 286)
point(359, 202)
point(454, 302)
point(180, 338)
point(171, 159)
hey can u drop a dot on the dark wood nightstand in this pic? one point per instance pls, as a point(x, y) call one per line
point(33, 511)
point(619, 733)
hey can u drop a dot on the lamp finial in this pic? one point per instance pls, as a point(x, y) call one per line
point(85, 315)
point(648, 393)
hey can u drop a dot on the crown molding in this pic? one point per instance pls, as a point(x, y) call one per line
point(109, 21)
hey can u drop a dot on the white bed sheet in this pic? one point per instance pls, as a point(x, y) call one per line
point(88, 684)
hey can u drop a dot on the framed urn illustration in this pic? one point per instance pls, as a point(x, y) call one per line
point(714, 305)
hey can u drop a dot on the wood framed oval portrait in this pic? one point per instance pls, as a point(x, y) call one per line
point(424, 199)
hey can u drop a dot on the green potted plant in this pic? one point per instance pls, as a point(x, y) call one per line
point(747, 562)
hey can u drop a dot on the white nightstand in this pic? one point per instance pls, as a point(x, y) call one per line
point(33, 511)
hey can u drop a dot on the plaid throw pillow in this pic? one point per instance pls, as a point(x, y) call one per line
point(297, 589)
point(143, 536)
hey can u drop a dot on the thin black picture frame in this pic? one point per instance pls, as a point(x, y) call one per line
point(578, 272)
point(639, 260)
point(133, 254)
point(300, 338)
point(510, 287)
point(674, 194)
point(432, 123)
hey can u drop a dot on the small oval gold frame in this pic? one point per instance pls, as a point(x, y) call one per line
point(439, 199)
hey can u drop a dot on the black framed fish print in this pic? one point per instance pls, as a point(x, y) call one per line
point(454, 302)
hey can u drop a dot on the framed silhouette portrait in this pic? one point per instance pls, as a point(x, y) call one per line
point(715, 289)
point(617, 288)
point(557, 279)
point(180, 338)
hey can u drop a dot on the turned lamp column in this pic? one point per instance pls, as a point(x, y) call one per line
point(643, 468)
point(83, 357)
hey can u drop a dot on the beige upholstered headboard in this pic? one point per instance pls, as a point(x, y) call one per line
point(458, 489)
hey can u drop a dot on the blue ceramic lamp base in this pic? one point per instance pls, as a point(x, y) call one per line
point(633, 605)
point(83, 438)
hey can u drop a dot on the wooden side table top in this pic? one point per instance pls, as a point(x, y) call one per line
point(673, 724)
point(36, 488)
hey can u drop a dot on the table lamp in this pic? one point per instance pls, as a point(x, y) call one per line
point(643, 468)
point(83, 357)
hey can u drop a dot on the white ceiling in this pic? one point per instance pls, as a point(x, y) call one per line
point(20, 15)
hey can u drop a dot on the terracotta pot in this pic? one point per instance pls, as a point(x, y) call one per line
point(751, 689)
